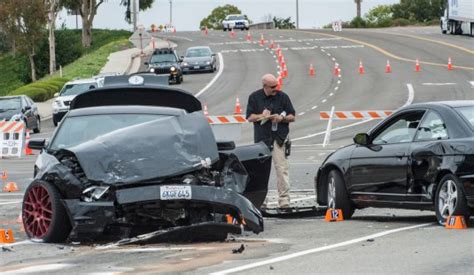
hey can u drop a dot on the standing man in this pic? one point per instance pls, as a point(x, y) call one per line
point(271, 112)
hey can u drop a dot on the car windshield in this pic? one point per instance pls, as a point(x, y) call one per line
point(75, 89)
point(71, 132)
point(200, 52)
point(468, 113)
point(12, 103)
point(163, 58)
point(236, 17)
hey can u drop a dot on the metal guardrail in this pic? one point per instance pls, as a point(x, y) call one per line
point(263, 26)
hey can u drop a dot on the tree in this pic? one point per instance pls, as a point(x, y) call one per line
point(26, 20)
point(88, 10)
point(53, 7)
point(143, 5)
point(214, 20)
point(283, 23)
point(380, 16)
point(358, 4)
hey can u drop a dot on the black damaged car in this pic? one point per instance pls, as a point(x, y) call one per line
point(421, 157)
point(137, 158)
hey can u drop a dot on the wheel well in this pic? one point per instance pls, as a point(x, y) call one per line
point(322, 192)
point(440, 175)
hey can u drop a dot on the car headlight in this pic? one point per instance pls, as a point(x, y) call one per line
point(57, 104)
point(185, 63)
point(94, 193)
point(152, 70)
point(172, 69)
point(208, 62)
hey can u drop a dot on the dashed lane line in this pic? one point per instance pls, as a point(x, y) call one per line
point(320, 249)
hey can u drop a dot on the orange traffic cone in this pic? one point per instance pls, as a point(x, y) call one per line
point(417, 66)
point(278, 50)
point(28, 150)
point(205, 111)
point(237, 110)
point(285, 71)
point(388, 68)
point(272, 45)
point(450, 65)
point(6, 236)
point(311, 70)
point(280, 57)
point(336, 69)
point(249, 37)
point(232, 33)
point(4, 175)
point(361, 68)
point(280, 81)
point(10, 187)
point(19, 220)
point(333, 215)
point(456, 222)
point(262, 40)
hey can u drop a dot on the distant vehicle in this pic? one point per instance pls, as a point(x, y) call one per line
point(235, 21)
point(199, 59)
point(166, 61)
point(458, 17)
point(69, 91)
point(421, 157)
point(20, 108)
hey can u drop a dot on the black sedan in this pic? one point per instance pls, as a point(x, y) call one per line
point(20, 108)
point(136, 158)
point(421, 157)
point(199, 59)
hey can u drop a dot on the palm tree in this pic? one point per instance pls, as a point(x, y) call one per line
point(358, 7)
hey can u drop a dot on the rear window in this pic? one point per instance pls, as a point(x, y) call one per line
point(468, 113)
point(75, 89)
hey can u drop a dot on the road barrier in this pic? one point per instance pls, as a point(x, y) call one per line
point(263, 26)
point(351, 115)
point(12, 135)
point(227, 127)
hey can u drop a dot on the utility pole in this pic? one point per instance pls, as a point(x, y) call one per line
point(171, 12)
point(297, 15)
point(135, 9)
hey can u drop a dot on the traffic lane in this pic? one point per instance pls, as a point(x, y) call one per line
point(410, 47)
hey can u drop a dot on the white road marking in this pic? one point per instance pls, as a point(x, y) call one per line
point(314, 107)
point(331, 94)
point(19, 243)
point(328, 54)
point(339, 82)
point(472, 84)
point(320, 249)
point(323, 50)
point(11, 194)
point(438, 84)
point(333, 59)
point(336, 88)
point(38, 268)
point(411, 95)
point(324, 100)
point(302, 113)
point(340, 75)
point(11, 202)
point(219, 73)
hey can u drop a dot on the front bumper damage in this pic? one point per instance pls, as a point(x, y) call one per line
point(90, 220)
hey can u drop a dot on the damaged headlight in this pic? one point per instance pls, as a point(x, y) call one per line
point(94, 193)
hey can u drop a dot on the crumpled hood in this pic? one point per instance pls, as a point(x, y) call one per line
point(161, 148)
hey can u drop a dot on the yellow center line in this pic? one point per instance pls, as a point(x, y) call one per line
point(389, 54)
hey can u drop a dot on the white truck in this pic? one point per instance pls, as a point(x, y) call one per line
point(458, 17)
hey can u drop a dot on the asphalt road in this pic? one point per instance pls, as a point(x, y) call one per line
point(375, 240)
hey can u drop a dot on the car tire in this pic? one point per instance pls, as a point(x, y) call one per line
point(336, 188)
point(37, 130)
point(55, 123)
point(42, 205)
point(224, 29)
point(450, 200)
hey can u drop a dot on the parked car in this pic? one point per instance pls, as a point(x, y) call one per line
point(421, 157)
point(235, 21)
point(139, 157)
point(198, 59)
point(69, 91)
point(165, 61)
point(20, 108)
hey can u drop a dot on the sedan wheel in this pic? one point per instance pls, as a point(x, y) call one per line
point(38, 126)
point(450, 200)
point(44, 216)
point(337, 197)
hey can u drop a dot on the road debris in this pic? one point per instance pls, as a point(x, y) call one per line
point(7, 249)
point(239, 250)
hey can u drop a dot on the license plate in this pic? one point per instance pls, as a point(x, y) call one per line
point(196, 67)
point(175, 192)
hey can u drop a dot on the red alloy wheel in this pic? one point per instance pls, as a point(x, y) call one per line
point(37, 212)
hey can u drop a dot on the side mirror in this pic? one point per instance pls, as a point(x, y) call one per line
point(37, 144)
point(56, 95)
point(146, 63)
point(213, 54)
point(27, 108)
point(182, 57)
point(362, 139)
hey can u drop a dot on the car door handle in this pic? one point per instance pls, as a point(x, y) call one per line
point(400, 155)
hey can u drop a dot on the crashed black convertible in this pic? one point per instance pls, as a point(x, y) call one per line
point(135, 157)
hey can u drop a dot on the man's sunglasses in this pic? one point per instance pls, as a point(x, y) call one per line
point(273, 87)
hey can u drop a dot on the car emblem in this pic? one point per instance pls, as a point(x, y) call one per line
point(136, 80)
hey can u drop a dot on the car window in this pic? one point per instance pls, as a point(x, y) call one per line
point(75, 89)
point(12, 103)
point(401, 129)
point(30, 101)
point(432, 128)
point(163, 58)
point(468, 113)
point(198, 52)
point(23, 102)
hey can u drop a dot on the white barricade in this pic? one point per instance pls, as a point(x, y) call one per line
point(12, 138)
point(227, 128)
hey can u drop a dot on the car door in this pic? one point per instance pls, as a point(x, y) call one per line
point(27, 112)
point(426, 157)
point(379, 170)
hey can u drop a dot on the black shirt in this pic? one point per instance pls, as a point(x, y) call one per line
point(258, 101)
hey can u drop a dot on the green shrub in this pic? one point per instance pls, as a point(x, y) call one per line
point(42, 90)
point(358, 22)
point(401, 22)
point(36, 93)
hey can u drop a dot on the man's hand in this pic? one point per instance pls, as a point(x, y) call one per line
point(276, 118)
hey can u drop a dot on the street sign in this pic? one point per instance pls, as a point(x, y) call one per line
point(140, 38)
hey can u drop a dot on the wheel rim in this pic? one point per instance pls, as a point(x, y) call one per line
point(37, 212)
point(332, 193)
point(447, 199)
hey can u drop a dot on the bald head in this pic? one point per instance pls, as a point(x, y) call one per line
point(269, 80)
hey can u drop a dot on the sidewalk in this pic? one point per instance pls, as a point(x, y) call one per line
point(122, 62)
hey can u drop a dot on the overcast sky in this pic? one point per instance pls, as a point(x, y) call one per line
point(188, 13)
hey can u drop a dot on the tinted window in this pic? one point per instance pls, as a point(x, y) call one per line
point(163, 58)
point(468, 113)
point(432, 128)
point(401, 129)
point(10, 104)
point(71, 131)
point(198, 52)
point(75, 89)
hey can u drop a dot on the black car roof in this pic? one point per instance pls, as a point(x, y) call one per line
point(452, 103)
point(131, 109)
